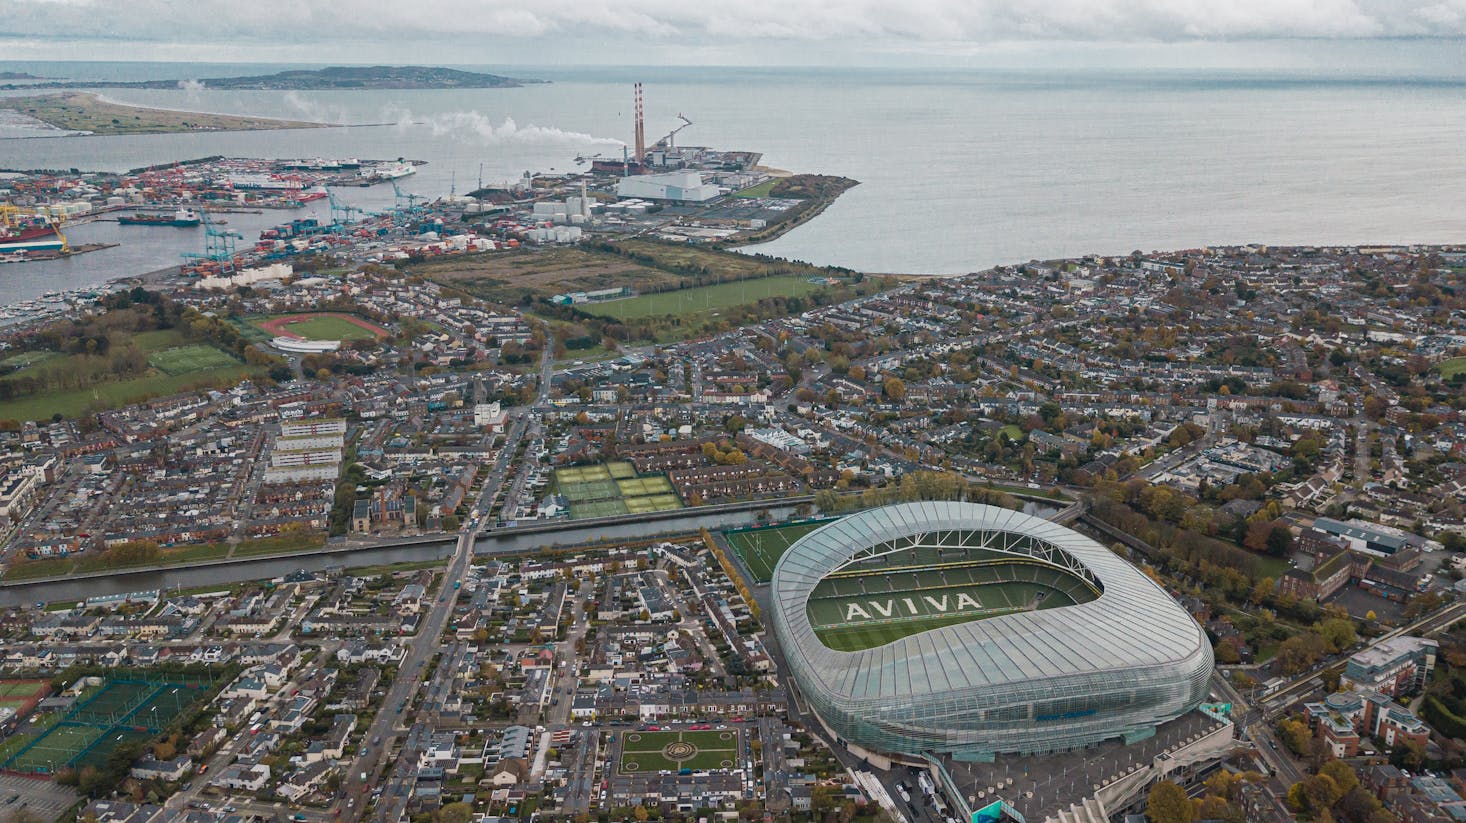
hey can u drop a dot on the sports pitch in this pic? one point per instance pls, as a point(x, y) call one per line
point(321, 327)
point(120, 711)
point(853, 612)
point(185, 359)
point(20, 688)
point(608, 489)
point(673, 751)
point(762, 547)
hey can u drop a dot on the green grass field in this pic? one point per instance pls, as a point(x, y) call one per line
point(1012, 432)
point(326, 327)
point(761, 190)
point(186, 359)
point(32, 569)
point(702, 299)
point(762, 548)
point(28, 358)
point(1451, 368)
point(671, 751)
point(871, 635)
point(620, 469)
point(177, 366)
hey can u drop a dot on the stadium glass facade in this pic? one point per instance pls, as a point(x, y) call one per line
point(1026, 682)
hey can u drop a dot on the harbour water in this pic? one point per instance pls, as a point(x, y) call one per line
point(959, 169)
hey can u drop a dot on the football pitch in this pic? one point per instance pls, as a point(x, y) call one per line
point(762, 547)
point(186, 359)
point(119, 711)
point(673, 751)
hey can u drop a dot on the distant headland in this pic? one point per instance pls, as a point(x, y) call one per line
point(333, 77)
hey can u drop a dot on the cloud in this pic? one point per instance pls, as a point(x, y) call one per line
point(914, 22)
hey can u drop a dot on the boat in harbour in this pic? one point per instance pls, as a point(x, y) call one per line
point(183, 218)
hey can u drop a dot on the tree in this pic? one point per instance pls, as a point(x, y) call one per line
point(1337, 632)
point(640, 813)
point(1168, 803)
point(1279, 540)
point(1295, 735)
point(894, 389)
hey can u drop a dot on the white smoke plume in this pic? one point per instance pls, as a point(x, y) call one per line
point(314, 111)
point(476, 127)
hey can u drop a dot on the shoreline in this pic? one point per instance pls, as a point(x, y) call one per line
point(85, 114)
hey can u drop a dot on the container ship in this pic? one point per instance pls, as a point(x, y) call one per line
point(26, 233)
point(183, 218)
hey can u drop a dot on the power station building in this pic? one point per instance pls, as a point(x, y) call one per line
point(947, 628)
point(679, 186)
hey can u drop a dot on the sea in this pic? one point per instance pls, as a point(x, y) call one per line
point(959, 169)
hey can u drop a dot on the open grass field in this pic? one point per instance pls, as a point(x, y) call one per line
point(703, 299)
point(280, 544)
point(175, 366)
point(541, 272)
point(32, 569)
point(672, 751)
point(620, 469)
point(321, 327)
point(1451, 368)
point(761, 548)
point(1012, 432)
point(28, 358)
point(193, 358)
point(761, 190)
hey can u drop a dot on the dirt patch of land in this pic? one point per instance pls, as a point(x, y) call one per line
point(511, 277)
point(90, 113)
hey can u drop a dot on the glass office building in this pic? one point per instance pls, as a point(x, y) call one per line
point(971, 630)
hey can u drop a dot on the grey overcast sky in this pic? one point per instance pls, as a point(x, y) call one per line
point(1353, 35)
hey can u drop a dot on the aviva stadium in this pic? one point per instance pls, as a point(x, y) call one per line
point(972, 631)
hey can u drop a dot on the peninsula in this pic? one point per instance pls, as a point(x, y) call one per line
point(79, 112)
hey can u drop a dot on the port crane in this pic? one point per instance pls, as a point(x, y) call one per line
point(400, 196)
point(401, 214)
point(218, 244)
point(667, 142)
point(341, 213)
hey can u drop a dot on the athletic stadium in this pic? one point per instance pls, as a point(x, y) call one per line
point(946, 628)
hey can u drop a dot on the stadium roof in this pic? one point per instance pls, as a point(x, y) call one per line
point(1133, 624)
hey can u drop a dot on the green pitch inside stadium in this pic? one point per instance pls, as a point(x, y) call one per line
point(873, 601)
